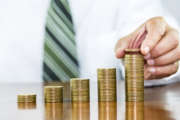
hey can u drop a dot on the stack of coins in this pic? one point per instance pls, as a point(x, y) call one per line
point(53, 94)
point(106, 84)
point(134, 75)
point(134, 110)
point(26, 98)
point(79, 90)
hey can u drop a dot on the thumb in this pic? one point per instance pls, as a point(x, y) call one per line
point(121, 45)
point(156, 28)
point(130, 41)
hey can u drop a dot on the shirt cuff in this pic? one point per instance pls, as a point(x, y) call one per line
point(164, 81)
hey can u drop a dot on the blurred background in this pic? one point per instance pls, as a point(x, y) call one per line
point(21, 35)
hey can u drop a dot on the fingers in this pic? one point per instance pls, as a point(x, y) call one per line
point(168, 43)
point(122, 44)
point(166, 59)
point(140, 40)
point(162, 71)
point(147, 74)
point(130, 40)
point(156, 28)
point(158, 43)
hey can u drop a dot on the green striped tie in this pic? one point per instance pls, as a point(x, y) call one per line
point(60, 57)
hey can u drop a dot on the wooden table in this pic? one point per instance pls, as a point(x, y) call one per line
point(161, 103)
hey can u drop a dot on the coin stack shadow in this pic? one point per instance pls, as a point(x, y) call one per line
point(134, 75)
point(106, 84)
point(79, 90)
point(53, 94)
point(134, 111)
point(26, 98)
point(26, 106)
point(54, 111)
point(107, 111)
point(80, 111)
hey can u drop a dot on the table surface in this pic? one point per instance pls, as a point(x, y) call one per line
point(161, 103)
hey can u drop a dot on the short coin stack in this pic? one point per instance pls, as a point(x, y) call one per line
point(53, 94)
point(134, 75)
point(79, 90)
point(26, 98)
point(106, 84)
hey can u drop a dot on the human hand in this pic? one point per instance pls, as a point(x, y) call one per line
point(159, 43)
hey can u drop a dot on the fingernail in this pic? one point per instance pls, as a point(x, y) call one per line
point(150, 62)
point(146, 50)
point(147, 56)
point(152, 70)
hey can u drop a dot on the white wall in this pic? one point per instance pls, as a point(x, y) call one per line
point(21, 32)
point(173, 7)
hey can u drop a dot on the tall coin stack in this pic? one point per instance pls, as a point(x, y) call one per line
point(79, 90)
point(134, 75)
point(53, 94)
point(106, 84)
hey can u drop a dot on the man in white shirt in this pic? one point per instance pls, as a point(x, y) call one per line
point(99, 25)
